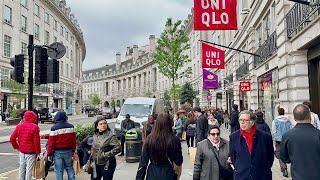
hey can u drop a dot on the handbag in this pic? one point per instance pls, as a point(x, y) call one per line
point(177, 169)
point(88, 168)
point(225, 173)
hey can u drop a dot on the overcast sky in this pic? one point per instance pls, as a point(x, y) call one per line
point(109, 26)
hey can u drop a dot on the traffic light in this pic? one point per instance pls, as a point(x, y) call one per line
point(41, 65)
point(18, 68)
point(53, 71)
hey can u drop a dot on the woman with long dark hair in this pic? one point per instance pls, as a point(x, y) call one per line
point(190, 128)
point(163, 149)
point(105, 147)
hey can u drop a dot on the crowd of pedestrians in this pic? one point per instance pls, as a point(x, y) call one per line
point(248, 153)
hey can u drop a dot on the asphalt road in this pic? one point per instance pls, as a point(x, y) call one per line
point(9, 157)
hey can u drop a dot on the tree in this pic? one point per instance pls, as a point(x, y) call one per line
point(187, 94)
point(18, 90)
point(148, 94)
point(175, 89)
point(170, 53)
point(167, 101)
point(113, 103)
point(95, 99)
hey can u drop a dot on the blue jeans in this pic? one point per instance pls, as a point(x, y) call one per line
point(63, 160)
point(86, 156)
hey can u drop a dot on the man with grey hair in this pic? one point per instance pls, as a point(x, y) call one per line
point(251, 150)
point(300, 146)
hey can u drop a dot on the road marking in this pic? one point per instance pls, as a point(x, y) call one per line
point(3, 175)
point(9, 154)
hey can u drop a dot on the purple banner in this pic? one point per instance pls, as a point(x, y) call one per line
point(210, 80)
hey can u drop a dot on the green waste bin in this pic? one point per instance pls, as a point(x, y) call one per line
point(133, 145)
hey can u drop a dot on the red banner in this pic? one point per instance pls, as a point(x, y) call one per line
point(215, 15)
point(266, 85)
point(212, 57)
point(245, 86)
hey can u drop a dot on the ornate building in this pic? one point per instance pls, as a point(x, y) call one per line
point(49, 21)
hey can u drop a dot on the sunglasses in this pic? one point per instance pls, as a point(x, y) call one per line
point(213, 134)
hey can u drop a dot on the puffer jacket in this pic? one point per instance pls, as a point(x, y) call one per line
point(105, 147)
point(27, 134)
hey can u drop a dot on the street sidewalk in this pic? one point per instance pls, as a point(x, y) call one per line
point(128, 170)
point(4, 127)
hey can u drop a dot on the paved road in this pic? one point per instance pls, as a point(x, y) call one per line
point(9, 157)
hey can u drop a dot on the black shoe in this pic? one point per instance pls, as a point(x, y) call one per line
point(285, 173)
point(121, 154)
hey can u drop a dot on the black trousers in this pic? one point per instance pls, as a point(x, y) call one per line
point(190, 138)
point(106, 173)
point(122, 139)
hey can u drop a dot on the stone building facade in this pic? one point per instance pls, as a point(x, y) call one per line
point(49, 21)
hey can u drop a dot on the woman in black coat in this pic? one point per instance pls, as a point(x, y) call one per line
point(261, 124)
point(162, 148)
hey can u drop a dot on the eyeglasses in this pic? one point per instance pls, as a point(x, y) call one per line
point(245, 120)
point(213, 134)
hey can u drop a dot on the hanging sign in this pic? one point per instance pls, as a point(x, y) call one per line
point(215, 15)
point(210, 80)
point(245, 86)
point(212, 57)
point(266, 85)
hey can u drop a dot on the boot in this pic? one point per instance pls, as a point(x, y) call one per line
point(285, 173)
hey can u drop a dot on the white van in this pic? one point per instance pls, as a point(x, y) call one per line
point(139, 108)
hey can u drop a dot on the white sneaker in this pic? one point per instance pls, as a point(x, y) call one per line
point(84, 167)
point(191, 173)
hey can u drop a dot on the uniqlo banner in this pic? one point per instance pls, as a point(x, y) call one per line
point(266, 85)
point(245, 86)
point(212, 57)
point(215, 15)
point(210, 80)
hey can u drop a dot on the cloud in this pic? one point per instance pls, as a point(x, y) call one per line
point(109, 26)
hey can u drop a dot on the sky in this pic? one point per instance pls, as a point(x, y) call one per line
point(110, 26)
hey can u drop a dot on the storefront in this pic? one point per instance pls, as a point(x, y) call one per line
point(230, 100)
point(244, 100)
point(314, 77)
point(40, 101)
point(269, 94)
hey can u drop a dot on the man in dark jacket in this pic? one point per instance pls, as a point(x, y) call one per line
point(300, 146)
point(126, 125)
point(86, 145)
point(234, 119)
point(62, 145)
point(261, 123)
point(251, 150)
point(201, 125)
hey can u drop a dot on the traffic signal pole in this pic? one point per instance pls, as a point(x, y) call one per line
point(30, 77)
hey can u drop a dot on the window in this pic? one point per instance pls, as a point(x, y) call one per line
point(55, 39)
point(61, 68)
point(266, 26)
point(67, 35)
point(259, 35)
point(37, 10)
point(46, 37)
point(55, 25)
point(5, 73)
point(71, 73)
point(61, 30)
point(71, 55)
point(24, 3)
point(244, 4)
point(67, 70)
point(67, 51)
point(8, 15)
point(24, 49)
point(36, 31)
point(46, 18)
point(23, 24)
point(7, 46)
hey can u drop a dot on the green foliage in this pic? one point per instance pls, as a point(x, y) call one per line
point(84, 130)
point(167, 101)
point(113, 103)
point(15, 113)
point(18, 90)
point(187, 94)
point(169, 53)
point(177, 89)
point(95, 99)
point(148, 94)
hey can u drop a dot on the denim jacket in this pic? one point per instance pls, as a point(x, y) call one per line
point(280, 125)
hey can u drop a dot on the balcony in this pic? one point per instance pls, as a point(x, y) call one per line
point(299, 16)
point(57, 91)
point(266, 50)
point(229, 79)
point(70, 94)
point(242, 70)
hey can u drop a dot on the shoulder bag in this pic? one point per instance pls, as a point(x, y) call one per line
point(225, 173)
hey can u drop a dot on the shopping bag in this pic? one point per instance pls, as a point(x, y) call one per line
point(178, 170)
point(38, 169)
point(76, 164)
point(184, 135)
point(192, 154)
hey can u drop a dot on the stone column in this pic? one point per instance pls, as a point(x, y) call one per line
point(235, 81)
point(253, 103)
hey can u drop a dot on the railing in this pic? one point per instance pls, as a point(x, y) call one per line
point(70, 94)
point(299, 16)
point(57, 91)
point(229, 79)
point(242, 70)
point(266, 50)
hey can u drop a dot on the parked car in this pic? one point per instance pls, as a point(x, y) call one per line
point(47, 114)
point(54, 112)
point(106, 113)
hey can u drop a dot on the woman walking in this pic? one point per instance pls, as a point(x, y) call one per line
point(190, 128)
point(209, 152)
point(162, 149)
point(147, 128)
point(105, 146)
point(178, 127)
point(226, 118)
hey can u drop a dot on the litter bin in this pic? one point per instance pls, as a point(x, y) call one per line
point(133, 145)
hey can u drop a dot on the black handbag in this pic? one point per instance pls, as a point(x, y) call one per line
point(225, 173)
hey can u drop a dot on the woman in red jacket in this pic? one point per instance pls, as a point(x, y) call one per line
point(28, 145)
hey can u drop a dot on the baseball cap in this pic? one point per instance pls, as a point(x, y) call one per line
point(90, 140)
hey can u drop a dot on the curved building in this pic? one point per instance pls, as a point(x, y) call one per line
point(49, 21)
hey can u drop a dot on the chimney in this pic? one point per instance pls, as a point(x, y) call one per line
point(152, 43)
point(128, 51)
point(135, 53)
point(118, 60)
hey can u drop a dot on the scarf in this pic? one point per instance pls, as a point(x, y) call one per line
point(214, 144)
point(249, 137)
